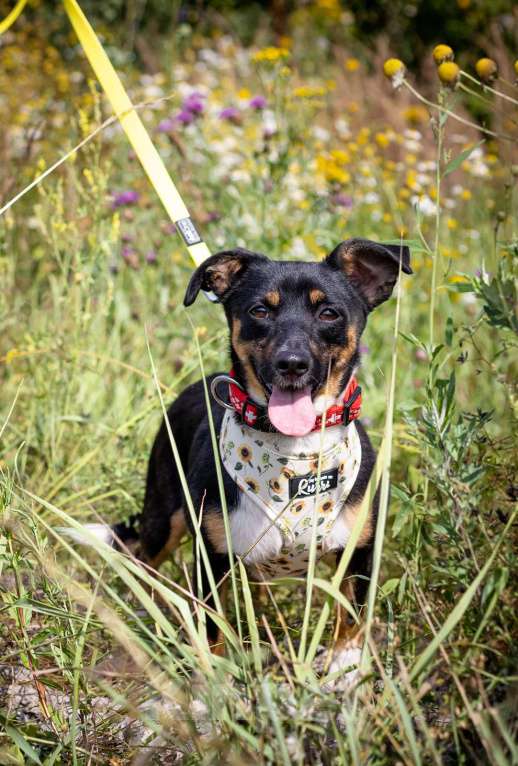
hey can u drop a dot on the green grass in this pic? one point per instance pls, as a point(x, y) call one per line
point(103, 661)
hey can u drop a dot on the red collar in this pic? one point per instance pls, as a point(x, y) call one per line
point(254, 415)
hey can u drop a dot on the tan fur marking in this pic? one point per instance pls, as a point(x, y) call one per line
point(316, 296)
point(242, 349)
point(214, 526)
point(177, 530)
point(340, 356)
point(351, 514)
point(273, 297)
point(220, 275)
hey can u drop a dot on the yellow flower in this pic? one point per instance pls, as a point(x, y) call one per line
point(416, 115)
point(382, 140)
point(487, 70)
point(252, 485)
point(449, 73)
point(309, 91)
point(340, 156)
point(275, 485)
point(326, 507)
point(466, 194)
point(442, 53)
point(516, 67)
point(352, 65)
point(452, 224)
point(394, 69)
point(245, 453)
point(270, 55)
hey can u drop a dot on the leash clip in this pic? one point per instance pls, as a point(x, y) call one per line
point(215, 382)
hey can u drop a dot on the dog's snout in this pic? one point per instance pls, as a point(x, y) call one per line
point(291, 363)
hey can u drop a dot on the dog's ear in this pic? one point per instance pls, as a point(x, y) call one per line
point(371, 267)
point(220, 272)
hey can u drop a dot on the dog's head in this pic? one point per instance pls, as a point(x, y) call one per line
point(294, 326)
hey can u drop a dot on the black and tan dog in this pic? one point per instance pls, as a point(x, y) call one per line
point(295, 329)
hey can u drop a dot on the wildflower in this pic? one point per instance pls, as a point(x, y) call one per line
point(130, 256)
point(129, 197)
point(270, 55)
point(382, 140)
point(342, 200)
point(394, 70)
point(351, 65)
point(193, 103)
point(487, 70)
point(230, 113)
point(309, 91)
point(165, 126)
point(416, 115)
point(449, 73)
point(257, 102)
point(185, 117)
point(452, 224)
point(151, 256)
point(442, 53)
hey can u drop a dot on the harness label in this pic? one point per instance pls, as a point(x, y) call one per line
point(308, 485)
point(188, 231)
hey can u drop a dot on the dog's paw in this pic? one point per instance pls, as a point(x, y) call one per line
point(345, 659)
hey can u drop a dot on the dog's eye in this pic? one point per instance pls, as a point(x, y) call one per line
point(259, 312)
point(328, 315)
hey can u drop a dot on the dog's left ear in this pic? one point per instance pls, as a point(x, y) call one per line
point(220, 272)
point(371, 267)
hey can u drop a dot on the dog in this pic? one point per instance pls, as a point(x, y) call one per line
point(295, 331)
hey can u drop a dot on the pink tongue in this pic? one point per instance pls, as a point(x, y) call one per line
point(292, 412)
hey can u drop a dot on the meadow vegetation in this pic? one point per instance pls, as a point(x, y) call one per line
point(286, 146)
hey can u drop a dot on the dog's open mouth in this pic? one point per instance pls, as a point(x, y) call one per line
point(292, 411)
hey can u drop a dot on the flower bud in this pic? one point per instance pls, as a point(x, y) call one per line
point(449, 73)
point(442, 53)
point(487, 70)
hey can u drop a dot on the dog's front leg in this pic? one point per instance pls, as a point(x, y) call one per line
point(348, 634)
point(220, 566)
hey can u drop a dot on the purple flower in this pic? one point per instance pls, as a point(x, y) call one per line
point(151, 256)
point(343, 200)
point(257, 102)
point(185, 117)
point(165, 126)
point(229, 113)
point(130, 256)
point(193, 103)
point(128, 197)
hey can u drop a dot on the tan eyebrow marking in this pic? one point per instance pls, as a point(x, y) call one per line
point(316, 296)
point(273, 297)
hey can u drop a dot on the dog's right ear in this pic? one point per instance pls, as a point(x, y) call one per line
point(220, 272)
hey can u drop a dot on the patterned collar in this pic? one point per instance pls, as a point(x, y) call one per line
point(255, 415)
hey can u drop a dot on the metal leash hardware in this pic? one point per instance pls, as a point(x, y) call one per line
point(215, 382)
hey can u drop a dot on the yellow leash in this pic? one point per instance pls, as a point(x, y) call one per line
point(132, 126)
point(12, 16)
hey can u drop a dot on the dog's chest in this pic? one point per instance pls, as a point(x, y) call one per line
point(291, 490)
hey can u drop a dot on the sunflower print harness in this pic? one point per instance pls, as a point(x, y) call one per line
point(286, 487)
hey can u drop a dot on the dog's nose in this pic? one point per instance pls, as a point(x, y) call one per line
point(291, 363)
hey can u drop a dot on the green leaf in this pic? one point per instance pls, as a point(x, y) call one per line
point(22, 743)
point(389, 586)
point(457, 161)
